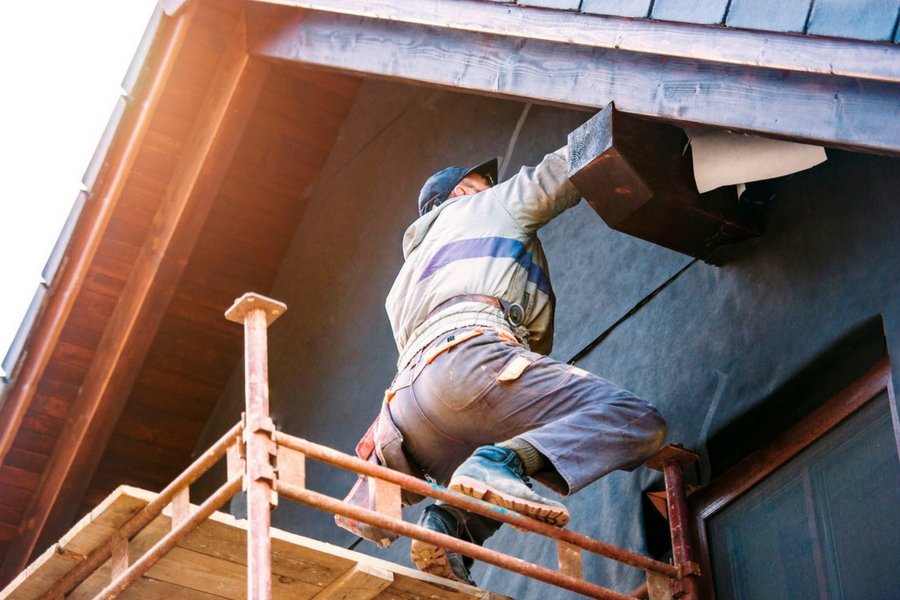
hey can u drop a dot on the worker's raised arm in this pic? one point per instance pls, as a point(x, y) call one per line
point(537, 194)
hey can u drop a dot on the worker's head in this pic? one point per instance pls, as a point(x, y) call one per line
point(456, 181)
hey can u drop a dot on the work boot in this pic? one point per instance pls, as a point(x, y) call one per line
point(440, 561)
point(495, 475)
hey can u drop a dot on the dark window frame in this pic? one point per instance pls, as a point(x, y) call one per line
point(758, 465)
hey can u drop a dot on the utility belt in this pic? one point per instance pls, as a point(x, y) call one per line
point(437, 324)
point(512, 312)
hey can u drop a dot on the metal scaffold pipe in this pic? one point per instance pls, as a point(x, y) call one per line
point(256, 313)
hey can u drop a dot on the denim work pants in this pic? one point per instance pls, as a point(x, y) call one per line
point(488, 389)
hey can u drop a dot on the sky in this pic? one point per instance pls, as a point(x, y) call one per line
point(61, 68)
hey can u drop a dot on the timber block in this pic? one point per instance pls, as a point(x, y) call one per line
point(638, 176)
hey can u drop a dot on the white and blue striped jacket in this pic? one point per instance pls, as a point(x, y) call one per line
point(481, 244)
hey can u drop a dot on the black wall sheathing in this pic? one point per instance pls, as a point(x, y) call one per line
point(712, 344)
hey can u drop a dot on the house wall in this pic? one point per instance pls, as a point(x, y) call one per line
point(712, 343)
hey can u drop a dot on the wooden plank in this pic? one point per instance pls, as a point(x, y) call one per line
point(53, 406)
point(42, 424)
point(155, 427)
point(184, 406)
point(148, 453)
point(142, 589)
point(65, 373)
point(833, 111)
point(34, 442)
point(8, 532)
point(312, 89)
point(769, 15)
point(73, 354)
point(618, 8)
point(21, 458)
point(703, 12)
point(113, 473)
point(13, 496)
point(211, 563)
point(673, 40)
point(569, 559)
point(20, 478)
point(34, 581)
point(362, 582)
point(147, 293)
point(85, 338)
point(10, 514)
point(862, 19)
point(168, 383)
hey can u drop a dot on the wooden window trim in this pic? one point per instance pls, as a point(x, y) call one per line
point(755, 467)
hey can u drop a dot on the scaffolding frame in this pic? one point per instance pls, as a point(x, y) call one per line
point(267, 464)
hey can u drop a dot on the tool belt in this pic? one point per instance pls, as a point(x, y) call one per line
point(512, 312)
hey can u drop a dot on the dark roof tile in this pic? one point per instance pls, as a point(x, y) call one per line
point(557, 4)
point(769, 15)
point(862, 19)
point(617, 8)
point(703, 12)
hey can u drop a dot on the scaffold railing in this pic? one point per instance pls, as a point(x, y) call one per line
point(268, 464)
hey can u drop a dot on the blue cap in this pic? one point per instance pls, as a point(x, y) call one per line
point(441, 184)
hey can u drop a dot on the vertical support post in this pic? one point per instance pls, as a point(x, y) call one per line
point(671, 460)
point(256, 313)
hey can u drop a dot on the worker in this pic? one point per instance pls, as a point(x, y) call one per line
point(480, 406)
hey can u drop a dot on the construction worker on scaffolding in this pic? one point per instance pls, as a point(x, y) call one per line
point(480, 406)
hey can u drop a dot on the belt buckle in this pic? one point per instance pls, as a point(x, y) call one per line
point(514, 314)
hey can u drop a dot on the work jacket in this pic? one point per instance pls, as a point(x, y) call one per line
point(484, 244)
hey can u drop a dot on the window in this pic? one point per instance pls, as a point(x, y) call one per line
point(815, 513)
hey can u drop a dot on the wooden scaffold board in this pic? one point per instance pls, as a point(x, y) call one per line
point(210, 563)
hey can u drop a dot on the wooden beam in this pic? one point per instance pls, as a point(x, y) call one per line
point(362, 582)
point(850, 112)
point(637, 176)
point(768, 50)
point(88, 235)
point(142, 305)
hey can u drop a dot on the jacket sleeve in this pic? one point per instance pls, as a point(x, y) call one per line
point(535, 195)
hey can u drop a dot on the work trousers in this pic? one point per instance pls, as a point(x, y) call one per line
point(456, 395)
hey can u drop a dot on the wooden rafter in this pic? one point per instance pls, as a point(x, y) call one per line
point(143, 302)
point(856, 107)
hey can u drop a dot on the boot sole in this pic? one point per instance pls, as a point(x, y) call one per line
point(547, 513)
point(432, 559)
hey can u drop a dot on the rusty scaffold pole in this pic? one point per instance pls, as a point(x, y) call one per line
point(672, 460)
point(256, 313)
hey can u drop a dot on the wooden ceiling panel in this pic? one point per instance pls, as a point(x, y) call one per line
point(63, 372)
point(13, 497)
point(187, 407)
point(289, 187)
point(118, 250)
point(54, 398)
point(130, 450)
point(159, 428)
point(189, 359)
point(42, 424)
point(20, 478)
point(173, 385)
point(34, 442)
point(25, 459)
point(246, 234)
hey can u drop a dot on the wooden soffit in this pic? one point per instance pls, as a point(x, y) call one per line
point(830, 92)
